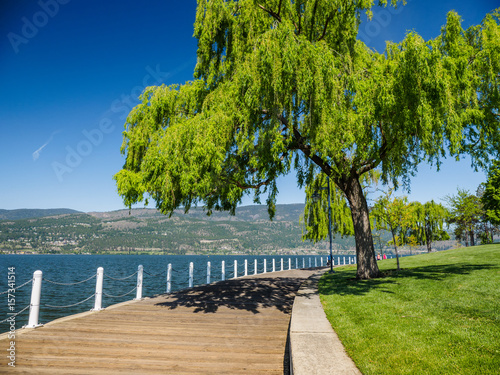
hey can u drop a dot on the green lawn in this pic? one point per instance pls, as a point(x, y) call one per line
point(439, 315)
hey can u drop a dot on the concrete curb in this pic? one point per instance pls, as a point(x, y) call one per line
point(315, 348)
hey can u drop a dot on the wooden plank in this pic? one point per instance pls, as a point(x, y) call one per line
point(231, 327)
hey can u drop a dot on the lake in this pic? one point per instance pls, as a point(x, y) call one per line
point(67, 269)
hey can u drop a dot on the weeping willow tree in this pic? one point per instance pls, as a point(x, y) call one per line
point(282, 86)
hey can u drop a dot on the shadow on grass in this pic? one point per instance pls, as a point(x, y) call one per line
point(344, 282)
point(244, 294)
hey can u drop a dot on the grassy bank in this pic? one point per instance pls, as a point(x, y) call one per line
point(439, 315)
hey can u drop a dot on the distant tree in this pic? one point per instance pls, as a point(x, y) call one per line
point(465, 213)
point(429, 222)
point(490, 197)
point(284, 86)
point(395, 215)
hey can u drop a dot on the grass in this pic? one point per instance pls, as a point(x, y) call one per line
point(439, 315)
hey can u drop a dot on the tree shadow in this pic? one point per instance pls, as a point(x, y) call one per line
point(251, 294)
point(342, 283)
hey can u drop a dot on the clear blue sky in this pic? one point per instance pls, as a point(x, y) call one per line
point(70, 70)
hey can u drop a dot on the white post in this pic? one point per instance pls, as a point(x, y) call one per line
point(169, 277)
point(255, 267)
point(344, 261)
point(289, 264)
point(315, 262)
point(282, 264)
point(349, 260)
point(98, 289)
point(296, 263)
point(246, 267)
point(223, 270)
point(265, 265)
point(191, 271)
point(36, 290)
point(208, 272)
point(274, 265)
point(309, 262)
point(235, 268)
point(321, 261)
point(303, 262)
point(140, 270)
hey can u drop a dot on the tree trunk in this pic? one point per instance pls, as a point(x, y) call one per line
point(472, 237)
point(367, 267)
point(428, 238)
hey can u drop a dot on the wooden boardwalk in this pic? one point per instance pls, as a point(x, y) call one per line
point(239, 326)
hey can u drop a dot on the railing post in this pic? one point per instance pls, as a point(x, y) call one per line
point(321, 261)
point(303, 262)
point(255, 267)
point(309, 262)
point(296, 263)
point(274, 265)
point(282, 264)
point(191, 271)
point(289, 264)
point(223, 271)
point(246, 267)
point(36, 290)
point(344, 261)
point(208, 272)
point(98, 289)
point(315, 262)
point(349, 260)
point(235, 269)
point(140, 270)
point(265, 265)
point(169, 278)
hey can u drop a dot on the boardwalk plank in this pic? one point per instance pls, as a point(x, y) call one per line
point(234, 327)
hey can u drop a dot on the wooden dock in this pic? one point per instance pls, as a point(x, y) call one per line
point(238, 326)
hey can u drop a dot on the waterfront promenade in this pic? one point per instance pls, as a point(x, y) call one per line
point(238, 326)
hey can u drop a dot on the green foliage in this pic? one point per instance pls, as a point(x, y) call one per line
point(397, 216)
point(491, 196)
point(429, 219)
point(282, 85)
point(465, 212)
point(438, 315)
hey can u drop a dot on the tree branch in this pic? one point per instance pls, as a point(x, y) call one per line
point(276, 16)
point(326, 26)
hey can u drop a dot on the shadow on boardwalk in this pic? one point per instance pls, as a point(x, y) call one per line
point(251, 294)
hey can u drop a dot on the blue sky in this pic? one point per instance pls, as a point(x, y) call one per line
point(70, 70)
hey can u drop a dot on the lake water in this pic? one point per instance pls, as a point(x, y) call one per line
point(67, 269)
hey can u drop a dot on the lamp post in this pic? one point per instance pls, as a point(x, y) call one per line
point(315, 198)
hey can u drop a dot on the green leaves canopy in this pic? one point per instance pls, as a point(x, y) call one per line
point(282, 85)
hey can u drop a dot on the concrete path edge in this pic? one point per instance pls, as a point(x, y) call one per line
point(315, 348)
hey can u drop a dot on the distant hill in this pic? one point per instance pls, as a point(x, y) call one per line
point(148, 231)
point(28, 213)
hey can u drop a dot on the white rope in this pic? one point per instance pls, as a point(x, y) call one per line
point(123, 295)
point(17, 287)
point(122, 278)
point(14, 315)
point(66, 284)
point(75, 304)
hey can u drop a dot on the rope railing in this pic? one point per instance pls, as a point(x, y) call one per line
point(14, 315)
point(121, 278)
point(184, 276)
point(68, 284)
point(123, 295)
point(72, 305)
point(17, 287)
